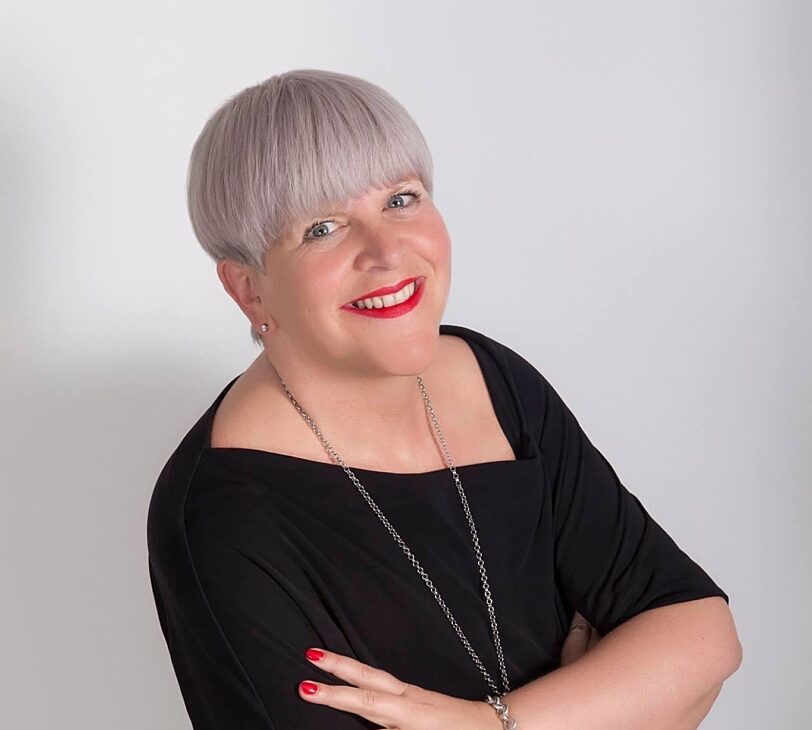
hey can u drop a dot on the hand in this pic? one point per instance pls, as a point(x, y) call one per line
point(381, 697)
point(580, 639)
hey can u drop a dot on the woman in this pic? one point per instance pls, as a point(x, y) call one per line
point(376, 490)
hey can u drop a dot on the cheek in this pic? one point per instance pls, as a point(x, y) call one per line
point(315, 288)
point(440, 249)
point(436, 242)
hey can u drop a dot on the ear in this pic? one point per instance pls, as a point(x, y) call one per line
point(241, 284)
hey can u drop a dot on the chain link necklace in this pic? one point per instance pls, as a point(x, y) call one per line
point(495, 700)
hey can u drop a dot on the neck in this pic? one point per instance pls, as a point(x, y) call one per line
point(361, 416)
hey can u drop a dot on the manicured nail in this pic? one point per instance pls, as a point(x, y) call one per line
point(315, 654)
point(309, 688)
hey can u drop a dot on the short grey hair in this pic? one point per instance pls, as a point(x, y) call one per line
point(289, 147)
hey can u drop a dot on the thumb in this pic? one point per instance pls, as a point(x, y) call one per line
point(577, 640)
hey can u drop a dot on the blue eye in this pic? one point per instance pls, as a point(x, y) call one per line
point(309, 238)
point(316, 225)
point(414, 194)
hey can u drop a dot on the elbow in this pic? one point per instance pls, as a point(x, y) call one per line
point(727, 647)
point(728, 656)
point(700, 709)
point(736, 658)
point(735, 652)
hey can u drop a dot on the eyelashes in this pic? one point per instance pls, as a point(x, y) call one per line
point(308, 238)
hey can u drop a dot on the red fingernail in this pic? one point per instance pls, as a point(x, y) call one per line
point(309, 688)
point(314, 654)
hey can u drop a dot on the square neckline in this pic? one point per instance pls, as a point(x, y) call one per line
point(526, 452)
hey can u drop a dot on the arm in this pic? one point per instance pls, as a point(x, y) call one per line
point(236, 627)
point(669, 638)
point(661, 669)
point(698, 711)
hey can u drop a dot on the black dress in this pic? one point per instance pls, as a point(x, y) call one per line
point(255, 556)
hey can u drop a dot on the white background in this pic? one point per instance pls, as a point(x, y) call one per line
point(627, 186)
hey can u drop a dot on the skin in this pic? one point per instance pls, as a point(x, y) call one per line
point(358, 369)
point(362, 370)
point(382, 698)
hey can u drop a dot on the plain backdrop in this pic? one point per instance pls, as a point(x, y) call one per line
point(627, 186)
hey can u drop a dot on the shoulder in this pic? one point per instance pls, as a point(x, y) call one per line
point(457, 377)
point(524, 384)
point(252, 412)
point(457, 359)
point(515, 368)
point(505, 357)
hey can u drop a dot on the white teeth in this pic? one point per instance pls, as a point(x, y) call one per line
point(387, 300)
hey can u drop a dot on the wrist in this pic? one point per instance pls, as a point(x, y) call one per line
point(490, 720)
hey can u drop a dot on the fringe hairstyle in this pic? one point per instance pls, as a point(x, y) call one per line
point(289, 147)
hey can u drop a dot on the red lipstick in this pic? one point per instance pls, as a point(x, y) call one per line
point(398, 309)
point(384, 290)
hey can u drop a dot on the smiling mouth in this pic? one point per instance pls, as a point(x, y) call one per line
point(387, 296)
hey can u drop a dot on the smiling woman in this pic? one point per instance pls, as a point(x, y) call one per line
point(379, 498)
point(288, 149)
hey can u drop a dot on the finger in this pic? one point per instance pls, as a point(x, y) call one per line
point(576, 641)
point(594, 638)
point(380, 707)
point(575, 644)
point(357, 673)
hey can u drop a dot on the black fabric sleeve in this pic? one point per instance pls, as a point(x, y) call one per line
point(612, 559)
point(236, 627)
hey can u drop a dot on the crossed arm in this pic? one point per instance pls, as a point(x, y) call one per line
point(662, 669)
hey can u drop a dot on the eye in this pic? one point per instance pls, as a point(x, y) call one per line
point(311, 233)
point(318, 225)
point(403, 193)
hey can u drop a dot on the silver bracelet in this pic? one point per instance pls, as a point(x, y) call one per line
point(508, 723)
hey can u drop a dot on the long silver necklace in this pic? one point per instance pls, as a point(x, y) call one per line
point(495, 699)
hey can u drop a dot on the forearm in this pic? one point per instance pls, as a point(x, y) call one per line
point(652, 672)
point(699, 710)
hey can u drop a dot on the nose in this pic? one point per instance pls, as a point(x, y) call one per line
point(381, 247)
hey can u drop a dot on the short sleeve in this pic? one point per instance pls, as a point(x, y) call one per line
point(612, 559)
point(236, 627)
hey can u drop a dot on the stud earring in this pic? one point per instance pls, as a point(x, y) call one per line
point(264, 327)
